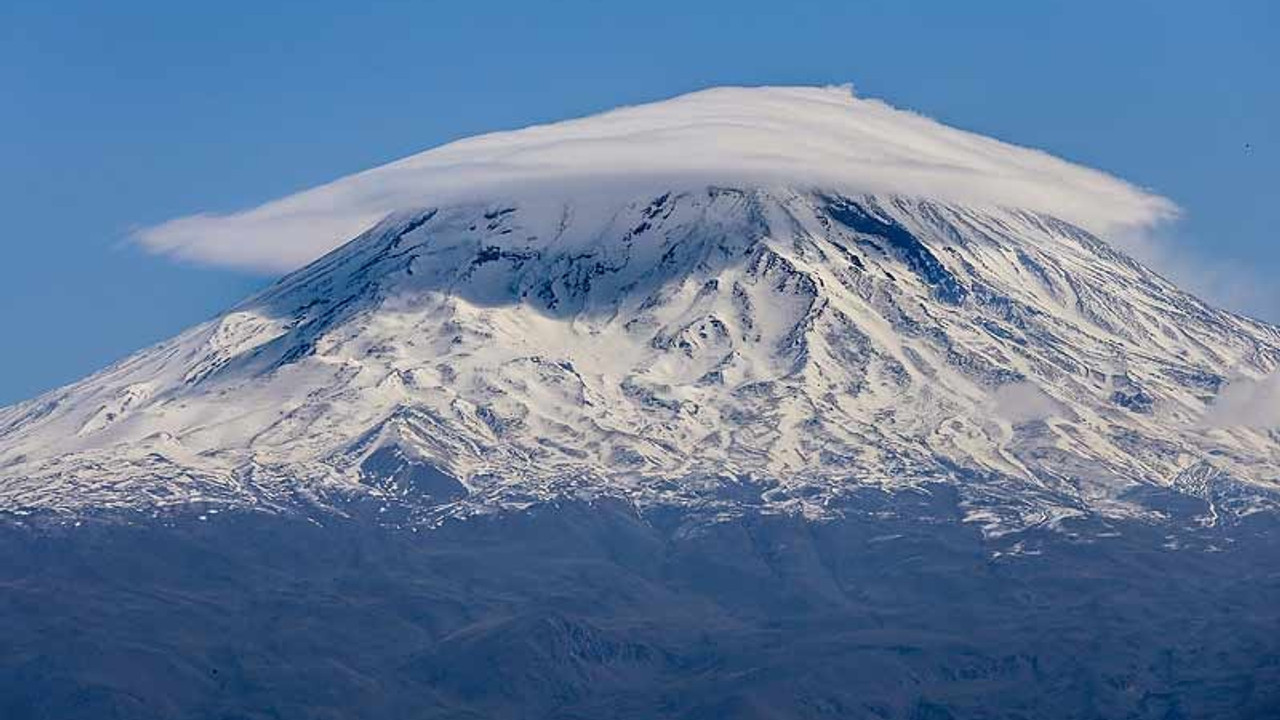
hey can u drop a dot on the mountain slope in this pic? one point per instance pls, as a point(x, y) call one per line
point(714, 347)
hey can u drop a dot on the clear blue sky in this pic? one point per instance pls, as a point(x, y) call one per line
point(114, 115)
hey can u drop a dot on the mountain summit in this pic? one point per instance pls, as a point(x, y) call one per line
point(732, 299)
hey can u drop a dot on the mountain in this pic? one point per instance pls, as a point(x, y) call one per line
point(709, 365)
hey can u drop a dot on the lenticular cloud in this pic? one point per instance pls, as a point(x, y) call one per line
point(801, 137)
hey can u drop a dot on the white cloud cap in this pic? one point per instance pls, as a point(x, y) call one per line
point(803, 137)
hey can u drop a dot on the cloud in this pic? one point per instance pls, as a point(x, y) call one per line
point(1023, 402)
point(797, 136)
point(1247, 403)
point(1228, 282)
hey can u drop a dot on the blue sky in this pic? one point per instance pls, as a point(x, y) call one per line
point(120, 115)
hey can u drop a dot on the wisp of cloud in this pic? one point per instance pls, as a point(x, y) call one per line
point(1247, 403)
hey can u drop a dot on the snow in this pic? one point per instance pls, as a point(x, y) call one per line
point(801, 137)
point(675, 347)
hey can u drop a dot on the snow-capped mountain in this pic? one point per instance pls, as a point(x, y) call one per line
point(771, 341)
